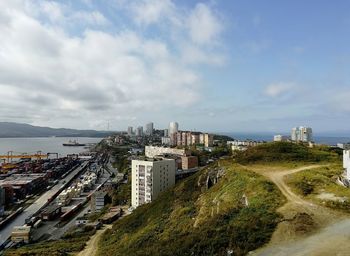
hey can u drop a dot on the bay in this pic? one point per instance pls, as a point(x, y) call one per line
point(45, 144)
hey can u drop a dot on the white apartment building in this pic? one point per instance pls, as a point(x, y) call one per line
point(303, 134)
point(166, 141)
point(346, 163)
point(153, 151)
point(280, 138)
point(173, 128)
point(149, 178)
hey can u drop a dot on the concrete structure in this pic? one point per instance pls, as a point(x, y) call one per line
point(241, 145)
point(152, 151)
point(149, 129)
point(195, 138)
point(21, 234)
point(344, 146)
point(346, 163)
point(166, 141)
point(173, 128)
point(139, 131)
point(189, 162)
point(201, 138)
point(208, 140)
point(99, 200)
point(149, 178)
point(279, 138)
point(130, 131)
point(301, 134)
point(166, 133)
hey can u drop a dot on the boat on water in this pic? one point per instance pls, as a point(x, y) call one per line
point(73, 143)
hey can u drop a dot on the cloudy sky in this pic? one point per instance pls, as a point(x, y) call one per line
point(210, 65)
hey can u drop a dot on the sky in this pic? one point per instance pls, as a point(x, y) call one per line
point(228, 66)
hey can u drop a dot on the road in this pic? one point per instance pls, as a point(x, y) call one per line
point(92, 245)
point(36, 206)
point(330, 235)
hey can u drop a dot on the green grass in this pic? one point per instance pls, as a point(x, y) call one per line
point(72, 242)
point(313, 182)
point(286, 152)
point(192, 220)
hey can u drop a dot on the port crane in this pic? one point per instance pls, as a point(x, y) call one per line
point(37, 155)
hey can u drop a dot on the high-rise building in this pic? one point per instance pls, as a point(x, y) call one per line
point(166, 133)
point(139, 131)
point(201, 138)
point(130, 131)
point(149, 178)
point(149, 129)
point(303, 134)
point(208, 140)
point(184, 139)
point(173, 127)
point(178, 138)
point(346, 163)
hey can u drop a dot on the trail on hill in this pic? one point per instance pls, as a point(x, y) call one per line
point(307, 229)
point(92, 245)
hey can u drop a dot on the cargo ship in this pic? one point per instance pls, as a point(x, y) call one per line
point(73, 143)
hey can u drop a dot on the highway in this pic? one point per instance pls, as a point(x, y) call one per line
point(19, 220)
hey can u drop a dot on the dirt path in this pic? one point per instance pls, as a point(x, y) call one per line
point(92, 245)
point(307, 229)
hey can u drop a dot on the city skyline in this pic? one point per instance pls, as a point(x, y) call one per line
point(210, 65)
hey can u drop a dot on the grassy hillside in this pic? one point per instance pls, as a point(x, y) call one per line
point(72, 242)
point(193, 220)
point(320, 186)
point(287, 152)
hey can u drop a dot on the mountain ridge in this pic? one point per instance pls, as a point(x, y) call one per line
point(21, 130)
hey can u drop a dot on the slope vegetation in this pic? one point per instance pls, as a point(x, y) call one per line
point(192, 219)
point(285, 152)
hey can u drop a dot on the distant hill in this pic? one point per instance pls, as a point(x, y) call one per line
point(287, 152)
point(14, 130)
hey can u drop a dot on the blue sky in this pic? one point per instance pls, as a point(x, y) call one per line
point(245, 66)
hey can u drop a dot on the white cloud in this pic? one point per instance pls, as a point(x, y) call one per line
point(279, 89)
point(204, 26)
point(62, 14)
point(146, 12)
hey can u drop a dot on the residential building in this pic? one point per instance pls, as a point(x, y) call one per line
point(301, 134)
point(346, 163)
point(173, 127)
point(279, 138)
point(344, 146)
point(166, 133)
point(150, 178)
point(166, 141)
point(178, 138)
point(184, 138)
point(139, 131)
point(152, 151)
point(130, 131)
point(195, 138)
point(189, 162)
point(208, 140)
point(201, 138)
point(149, 129)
